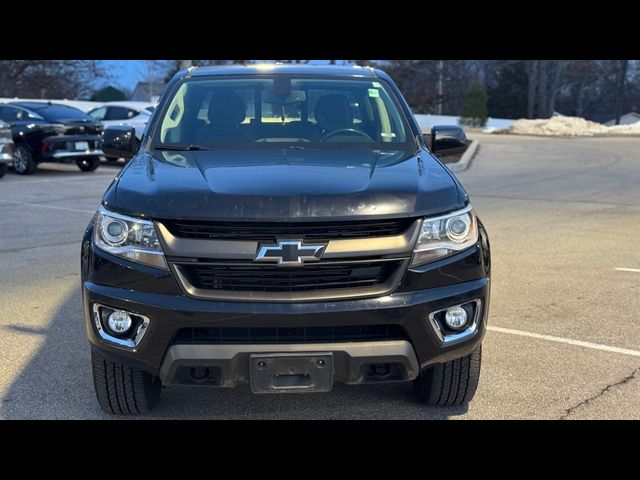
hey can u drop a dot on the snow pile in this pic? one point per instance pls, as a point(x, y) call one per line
point(630, 129)
point(568, 126)
point(557, 126)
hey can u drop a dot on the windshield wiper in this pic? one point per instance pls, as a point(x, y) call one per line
point(182, 148)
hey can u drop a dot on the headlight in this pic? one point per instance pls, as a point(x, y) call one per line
point(127, 237)
point(445, 235)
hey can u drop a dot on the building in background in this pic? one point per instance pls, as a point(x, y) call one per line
point(147, 92)
point(626, 119)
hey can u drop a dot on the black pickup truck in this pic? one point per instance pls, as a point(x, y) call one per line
point(287, 227)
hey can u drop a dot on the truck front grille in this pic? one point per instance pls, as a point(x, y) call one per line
point(247, 277)
point(265, 335)
point(217, 260)
point(269, 231)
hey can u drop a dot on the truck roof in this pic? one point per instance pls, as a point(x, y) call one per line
point(286, 69)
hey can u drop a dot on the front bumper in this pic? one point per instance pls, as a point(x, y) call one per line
point(154, 294)
point(169, 313)
point(229, 364)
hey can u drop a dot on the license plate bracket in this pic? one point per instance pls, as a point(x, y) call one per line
point(291, 372)
point(81, 146)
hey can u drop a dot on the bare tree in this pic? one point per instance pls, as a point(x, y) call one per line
point(556, 70)
point(532, 74)
point(73, 79)
point(543, 92)
point(581, 76)
point(622, 76)
point(440, 87)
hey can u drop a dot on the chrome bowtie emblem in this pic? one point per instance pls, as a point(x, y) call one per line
point(289, 253)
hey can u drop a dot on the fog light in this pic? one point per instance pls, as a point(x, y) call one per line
point(119, 322)
point(456, 317)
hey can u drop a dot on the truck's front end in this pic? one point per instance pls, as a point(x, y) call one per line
point(286, 229)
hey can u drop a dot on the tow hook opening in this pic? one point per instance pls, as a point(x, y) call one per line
point(198, 375)
point(384, 372)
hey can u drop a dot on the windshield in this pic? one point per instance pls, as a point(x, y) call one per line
point(282, 110)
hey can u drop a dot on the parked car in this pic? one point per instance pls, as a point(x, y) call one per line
point(287, 228)
point(132, 114)
point(49, 132)
point(6, 148)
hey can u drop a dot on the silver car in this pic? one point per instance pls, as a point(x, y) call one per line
point(6, 148)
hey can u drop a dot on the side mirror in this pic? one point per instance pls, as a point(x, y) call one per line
point(119, 141)
point(447, 140)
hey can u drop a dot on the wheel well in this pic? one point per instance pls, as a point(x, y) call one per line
point(34, 154)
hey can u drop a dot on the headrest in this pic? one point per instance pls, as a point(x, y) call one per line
point(226, 109)
point(334, 112)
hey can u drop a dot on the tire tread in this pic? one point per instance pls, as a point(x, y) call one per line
point(123, 390)
point(451, 383)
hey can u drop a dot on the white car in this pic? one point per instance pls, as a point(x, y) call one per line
point(132, 114)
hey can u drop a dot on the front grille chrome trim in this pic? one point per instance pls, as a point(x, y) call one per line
point(246, 250)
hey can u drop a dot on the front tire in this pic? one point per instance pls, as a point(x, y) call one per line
point(123, 390)
point(3, 169)
point(88, 164)
point(452, 383)
point(23, 162)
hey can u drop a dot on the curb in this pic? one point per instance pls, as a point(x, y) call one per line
point(464, 162)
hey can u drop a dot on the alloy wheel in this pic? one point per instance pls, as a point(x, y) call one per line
point(20, 161)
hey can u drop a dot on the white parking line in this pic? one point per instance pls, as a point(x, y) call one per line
point(621, 269)
point(51, 207)
point(58, 180)
point(568, 341)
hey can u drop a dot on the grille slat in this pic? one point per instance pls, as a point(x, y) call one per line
point(269, 231)
point(271, 278)
point(263, 335)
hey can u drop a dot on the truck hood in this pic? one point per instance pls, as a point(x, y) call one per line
point(278, 184)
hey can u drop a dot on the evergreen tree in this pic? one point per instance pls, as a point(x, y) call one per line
point(507, 91)
point(474, 109)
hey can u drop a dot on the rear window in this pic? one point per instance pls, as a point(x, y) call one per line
point(60, 113)
point(279, 109)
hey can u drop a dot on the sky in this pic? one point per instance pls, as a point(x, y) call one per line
point(127, 73)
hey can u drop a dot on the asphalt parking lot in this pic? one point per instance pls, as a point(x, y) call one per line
point(564, 341)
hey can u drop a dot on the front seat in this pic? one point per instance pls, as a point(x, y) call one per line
point(226, 113)
point(333, 112)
